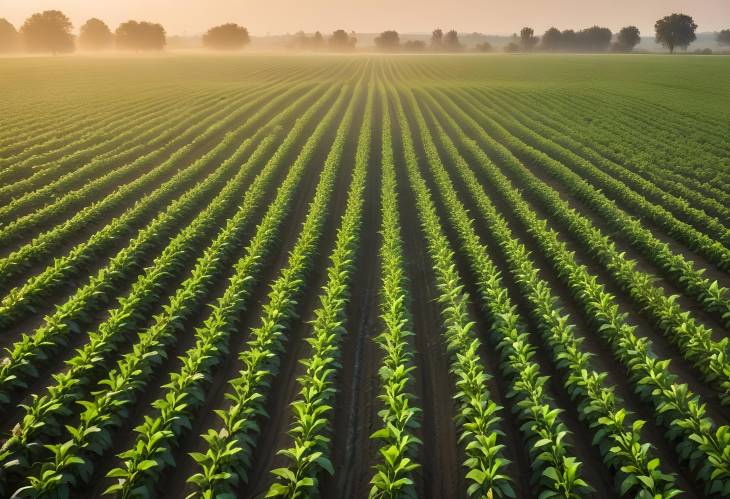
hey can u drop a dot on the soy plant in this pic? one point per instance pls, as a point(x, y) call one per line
point(32, 351)
point(699, 441)
point(185, 392)
point(694, 340)
point(310, 451)
point(618, 438)
point(478, 415)
point(106, 408)
point(400, 414)
point(225, 462)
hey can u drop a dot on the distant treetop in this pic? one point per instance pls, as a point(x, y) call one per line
point(483, 47)
point(133, 35)
point(228, 36)
point(628, 38)
point(388, 41)
point(552, 40)
point(676, 30)
point(48, 31)
point(528, 40)
point(8, 36)
point(723, 37)
point(95, 35)
point(414, 46)
point(302, 41)
point(340, 40)
point(594, 39)
point(437, 39)
point(451, 41)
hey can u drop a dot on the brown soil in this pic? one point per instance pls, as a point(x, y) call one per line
point(356, 404)
point(603, 360)
point(229, 367)
point(440, 474)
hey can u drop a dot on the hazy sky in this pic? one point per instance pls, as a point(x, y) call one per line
point(281, 16)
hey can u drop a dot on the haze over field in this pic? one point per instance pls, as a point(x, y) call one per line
point(281, 16)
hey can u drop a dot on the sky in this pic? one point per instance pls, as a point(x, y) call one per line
point(262, 17)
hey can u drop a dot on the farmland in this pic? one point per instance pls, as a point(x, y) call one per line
point(433, 276)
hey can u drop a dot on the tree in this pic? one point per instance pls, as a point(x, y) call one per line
point(594, 39)
point(340, 40)
point(568, 40)
point(628, 38)
point(299, 40)
point(676, 30)
point(414, 46)
point(528, 40)
point(95, 35)
point(388, 41)
point(483, 47)
point(552, 40)
point(451, 41)
point(133, 35)
point(303, 42)
point(317, 41)
point(723, 37)
point(437, 39)
point(229, 36)
point(48, 31)
point(8, 36)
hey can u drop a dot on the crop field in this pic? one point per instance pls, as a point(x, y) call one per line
point(342, 276)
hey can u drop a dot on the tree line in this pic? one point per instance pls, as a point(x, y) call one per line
point(51, 32)
point(673, 32)
point(593, 39)
point(339, 41)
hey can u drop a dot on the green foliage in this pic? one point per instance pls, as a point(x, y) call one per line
point(48, 31)
point(698, 439)
point(675, 30)
point(493, 170)
point(477, 417)
point(225, 462)
point(229, 36)
point(400, 415)
point(107, 408)
point(31, 351)
point(309, 454)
